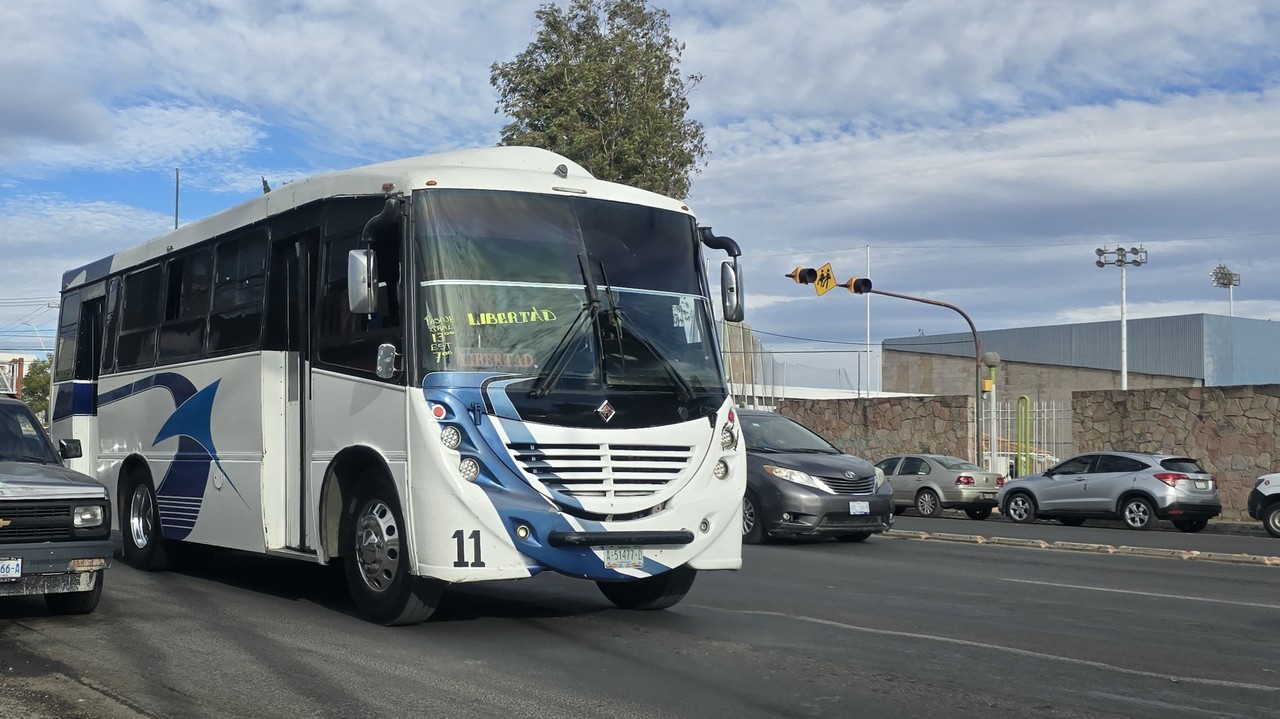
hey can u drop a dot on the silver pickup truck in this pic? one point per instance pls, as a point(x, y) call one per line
point(55, 523)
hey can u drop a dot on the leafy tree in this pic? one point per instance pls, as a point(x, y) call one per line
point(601, 84)
point(35, 386)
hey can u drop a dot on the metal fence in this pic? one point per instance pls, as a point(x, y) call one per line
point(1030, 436)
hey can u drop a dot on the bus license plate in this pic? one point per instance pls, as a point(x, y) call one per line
point(859, 508)
point(10, 569)
point(628, 557)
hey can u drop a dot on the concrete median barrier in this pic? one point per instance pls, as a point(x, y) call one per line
point(1157, 552)
point(1238, 558)
point(1083, 547)
point(1016, 542)
point(966, 538)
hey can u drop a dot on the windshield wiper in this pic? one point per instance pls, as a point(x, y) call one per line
point(23, 458)
point(558, 360)
point(684, 390)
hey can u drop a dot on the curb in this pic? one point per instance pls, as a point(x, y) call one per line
point(1154, 552)
point(1015, 542)
point(1261, 560)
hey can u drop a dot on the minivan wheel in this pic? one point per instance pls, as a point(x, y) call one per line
point(1137, 513)
point(927, 503)
point(752, 527)
point(1020, 508)
point(1271, 519)
point(1191, 526)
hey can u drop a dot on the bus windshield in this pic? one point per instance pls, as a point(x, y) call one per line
point(503, 290)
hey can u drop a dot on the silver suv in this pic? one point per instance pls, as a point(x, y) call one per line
point(1135, 487)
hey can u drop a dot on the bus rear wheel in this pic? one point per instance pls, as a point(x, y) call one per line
point(376, 561)
point(657, 592)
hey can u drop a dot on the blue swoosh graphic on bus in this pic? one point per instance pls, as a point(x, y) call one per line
point(180, 493)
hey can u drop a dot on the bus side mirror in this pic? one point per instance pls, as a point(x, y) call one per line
point(362, 282)
point(69, 448)
point(731, 291)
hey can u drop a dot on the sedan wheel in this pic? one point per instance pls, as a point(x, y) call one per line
point(927, 503)
point(1137, 513)
point(1020, 508)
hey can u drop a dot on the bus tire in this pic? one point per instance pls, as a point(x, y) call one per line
point(375, 562)
point(143, 538)
point(657, 592)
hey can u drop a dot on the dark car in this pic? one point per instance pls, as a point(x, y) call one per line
point(55, 523)
point(800, 485)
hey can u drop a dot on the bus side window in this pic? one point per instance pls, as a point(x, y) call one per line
point(139, 317)
point(64, 358)
point(109, 331)
point(347, 339)
point(240, 269)
point(186, 303)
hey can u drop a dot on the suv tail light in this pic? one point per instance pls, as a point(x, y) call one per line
point(1171, 478)
point(964, 479)
point(1001, 480)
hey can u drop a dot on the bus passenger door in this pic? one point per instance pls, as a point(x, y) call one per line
point(288, 304)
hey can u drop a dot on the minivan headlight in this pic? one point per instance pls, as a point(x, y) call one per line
point(796, 476)
point(87, 516)
point(879, 478)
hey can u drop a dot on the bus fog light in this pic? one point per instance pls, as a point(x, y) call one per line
point(721, 469)
point(451, 437)
point(728, 438)
point(87, 516)
point(469, 468)
point(704, 527)
point(522, 532)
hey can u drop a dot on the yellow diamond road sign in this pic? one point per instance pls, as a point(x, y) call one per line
point(826, 279)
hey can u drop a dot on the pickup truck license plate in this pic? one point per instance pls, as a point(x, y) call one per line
point(859, 508)
point(619, 557)
point(10, 569)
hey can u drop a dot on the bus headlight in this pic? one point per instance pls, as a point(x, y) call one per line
point(87, 516)
point(470, 469)
point(721, 470)
point(450, 437)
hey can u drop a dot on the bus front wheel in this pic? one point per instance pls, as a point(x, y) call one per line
point(376, 560)
point(657, 592)
point(144, 543)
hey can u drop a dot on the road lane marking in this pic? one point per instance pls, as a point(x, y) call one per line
point(1142, 594)
point(995, 647)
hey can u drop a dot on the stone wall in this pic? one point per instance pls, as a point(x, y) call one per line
point(1233, 431)
point(879, 427)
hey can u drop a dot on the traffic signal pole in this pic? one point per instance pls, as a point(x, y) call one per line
point(862, 286)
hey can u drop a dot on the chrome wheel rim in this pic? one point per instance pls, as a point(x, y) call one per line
point(141, 517)
point(926, 503)
point(1136, 514)
point(1018, 508)
point(748, 516)
point(377, 545)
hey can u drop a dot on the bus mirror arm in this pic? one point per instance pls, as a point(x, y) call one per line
point(387, 355)
point(730, 274)
point(389, 215)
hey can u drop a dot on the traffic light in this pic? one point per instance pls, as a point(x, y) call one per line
point(804, 275)
point(858, 285)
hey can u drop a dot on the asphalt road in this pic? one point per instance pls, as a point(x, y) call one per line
point(885, 628)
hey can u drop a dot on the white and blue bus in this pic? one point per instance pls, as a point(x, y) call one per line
point(463, 367)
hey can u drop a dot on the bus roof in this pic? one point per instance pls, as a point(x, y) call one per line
point(520, 169)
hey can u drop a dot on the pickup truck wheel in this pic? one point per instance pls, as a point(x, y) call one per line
point(76, 602)
point(1271, 519)
point(144, 546)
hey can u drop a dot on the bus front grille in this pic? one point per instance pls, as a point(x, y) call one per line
point(585, 471)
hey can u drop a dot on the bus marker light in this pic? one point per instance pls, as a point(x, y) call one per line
point(470, 469)
point(522, 532)
point(438, 411)
point(704, 527)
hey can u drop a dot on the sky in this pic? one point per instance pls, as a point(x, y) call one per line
point(976, 153)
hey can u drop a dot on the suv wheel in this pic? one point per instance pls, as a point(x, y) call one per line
point(1020, 508)
point(1137, 513)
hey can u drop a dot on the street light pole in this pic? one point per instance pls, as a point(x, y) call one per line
point(1122, 258)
